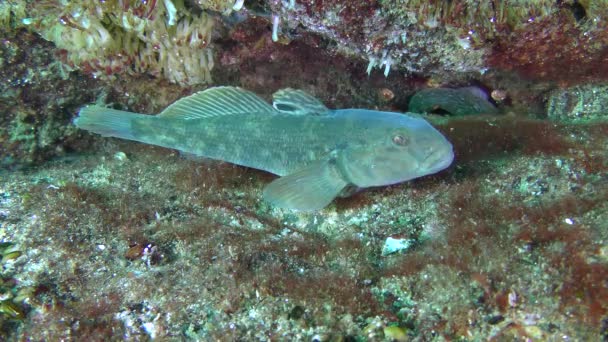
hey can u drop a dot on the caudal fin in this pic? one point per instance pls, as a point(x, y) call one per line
point(107, 122)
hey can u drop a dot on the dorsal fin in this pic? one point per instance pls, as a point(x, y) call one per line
point(217, 101)
point(297, 102)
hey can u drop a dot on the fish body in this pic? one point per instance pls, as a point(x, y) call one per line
point(318, 152)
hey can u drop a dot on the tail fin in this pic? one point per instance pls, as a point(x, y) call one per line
point(107, 122)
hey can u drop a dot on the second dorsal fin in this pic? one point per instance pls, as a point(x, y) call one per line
point(297, 102)
point(217, 101)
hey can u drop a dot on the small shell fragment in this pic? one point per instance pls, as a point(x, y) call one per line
point(498, 95)
point(386, 94)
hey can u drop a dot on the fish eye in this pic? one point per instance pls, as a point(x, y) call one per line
point(400, 140)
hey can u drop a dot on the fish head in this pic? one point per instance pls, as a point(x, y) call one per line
point(397, 150)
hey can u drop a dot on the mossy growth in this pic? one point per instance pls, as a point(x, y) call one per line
point(11, 13)
point(485, 17)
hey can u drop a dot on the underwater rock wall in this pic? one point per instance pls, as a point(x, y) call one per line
point(103, 239)
point(174, 39)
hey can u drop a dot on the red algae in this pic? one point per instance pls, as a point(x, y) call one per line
point(478, 138)
point(584, 291)
point(556, 48)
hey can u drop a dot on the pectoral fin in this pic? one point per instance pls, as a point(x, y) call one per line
point(310, 188)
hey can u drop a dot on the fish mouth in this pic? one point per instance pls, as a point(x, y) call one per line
point(439, 159)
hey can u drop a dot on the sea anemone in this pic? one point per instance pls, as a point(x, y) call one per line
point(160, 38)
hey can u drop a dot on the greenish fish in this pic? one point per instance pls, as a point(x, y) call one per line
point(458, 102)
point(319, 153)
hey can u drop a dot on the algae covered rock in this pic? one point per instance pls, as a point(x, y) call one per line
point(584, 102)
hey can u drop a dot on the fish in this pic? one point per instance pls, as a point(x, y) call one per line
point(456, 101)
point(319, 153)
